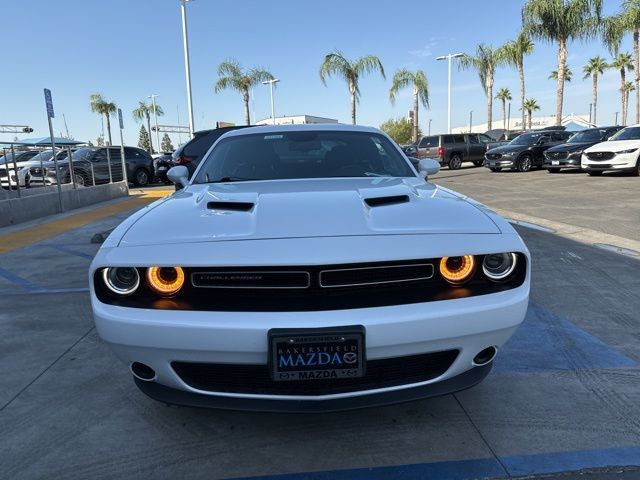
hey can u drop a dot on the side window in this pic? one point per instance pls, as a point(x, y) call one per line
point(428, 142)
point(423, 142)
point(458, 139)
point(114, 154)
point(131, 153)
point(447, 139)
point(484, 138)
point(99, 156)
point(473, 139)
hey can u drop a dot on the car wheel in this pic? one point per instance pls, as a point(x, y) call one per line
point(81, 179)
point(27, 182)
point(478, 164)
point(636, 172)
point(495, 169)
point(455, 162)
point(141, 177)
point(525, 163)
point(553, 170)
point(595, 174)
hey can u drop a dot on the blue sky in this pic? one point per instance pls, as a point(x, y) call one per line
point(128, 49)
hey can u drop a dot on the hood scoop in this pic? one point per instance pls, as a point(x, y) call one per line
point(230, 206)
point(382, 201)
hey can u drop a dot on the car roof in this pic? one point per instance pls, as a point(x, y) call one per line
point(318, 127)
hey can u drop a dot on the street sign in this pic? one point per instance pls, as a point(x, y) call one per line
point(120, 119)
point(49, 102)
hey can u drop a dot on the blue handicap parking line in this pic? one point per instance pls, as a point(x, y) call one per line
point(18, 280)
point(537, 464)
point(65, 249)
point(546, 341)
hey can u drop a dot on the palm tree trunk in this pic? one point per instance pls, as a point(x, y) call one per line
point(595, 98)
point(414, 135)
point(521, 72)
point(636, 67)
point(504, 114)
point(352, 91)
point(529, 113)
point(149, 132)
point(109, 128)
point(622, 82)
point(562, 63)
point(489, 100)
point(245, 99)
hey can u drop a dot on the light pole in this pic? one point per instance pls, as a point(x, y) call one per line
point(430, 126)
point(273, 112)
point(155, 116)
point(470, 120)
point(187, 68)
point(616, 119)
point(448, 57)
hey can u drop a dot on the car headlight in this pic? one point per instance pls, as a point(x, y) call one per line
point(457, 270)
point(631, 150)
point(498, 266)
point(121, 280)
point(166, 281)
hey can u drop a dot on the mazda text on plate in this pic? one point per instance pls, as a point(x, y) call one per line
point(309, 268)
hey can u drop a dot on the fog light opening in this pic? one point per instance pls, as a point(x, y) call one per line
point(142, 372)
point(485, 356)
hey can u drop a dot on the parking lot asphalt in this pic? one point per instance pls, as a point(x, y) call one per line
point(564, 394)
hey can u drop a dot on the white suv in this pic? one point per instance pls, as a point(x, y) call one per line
point(619, 153)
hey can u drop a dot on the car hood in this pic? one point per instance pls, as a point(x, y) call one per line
point(614, 146)
point(306, 208)
point(509, 148)
point(570, 147)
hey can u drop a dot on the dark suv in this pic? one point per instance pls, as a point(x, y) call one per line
point(568, 155)
point(453, 149)
point(190, 153)
point(525, 151)
point(90, 166)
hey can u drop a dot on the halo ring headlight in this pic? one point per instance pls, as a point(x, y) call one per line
point(457, 270)
point(166, 281)
point(121, 280)
point(498, 266)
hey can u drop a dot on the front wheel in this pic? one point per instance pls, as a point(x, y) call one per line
point(141, 177)
point(455, 162)
point(636, 172)
point(525, 163)
point(478, 164)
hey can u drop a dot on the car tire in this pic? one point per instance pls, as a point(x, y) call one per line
point(495, 169)
point(82, 180)
point(141, 177)
point(455, 162)
point(525, 163)
point(636, 172)
point(553, 170)
point(478, 164)
point(595, 174)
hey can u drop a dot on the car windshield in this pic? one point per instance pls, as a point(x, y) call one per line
point(629, 133)
point(591, 135)
point(527, 138)
point(82, 154)
point(303, 154)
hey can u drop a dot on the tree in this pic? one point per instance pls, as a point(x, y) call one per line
point(167, 146)
point(514, 52)
point(100, 141)
point(418, 81)
point(401, 130)
point(144, 112)
point(232, 76)
point(530, 105)
point(596, 66)
point(627, 88)
point(567, 74)
point(101, 106)
point(622, 62)
point(143, 139)
point(628, 20)
point(336, 64)
point(561, 21)
point(485, 62)
point(504, 95)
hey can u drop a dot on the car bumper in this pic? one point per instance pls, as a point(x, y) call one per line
point(619, 162)
point(159, 337)
point(562, 163)
point(502, 163)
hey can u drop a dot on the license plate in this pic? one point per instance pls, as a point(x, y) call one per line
point(555, 162)
point(316, 354)
point(162, 169)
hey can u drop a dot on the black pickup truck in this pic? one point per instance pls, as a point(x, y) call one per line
point(454, 149)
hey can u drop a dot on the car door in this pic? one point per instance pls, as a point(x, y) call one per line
point(428, 147)
point(100, 168)
point(116, 164)
point(477, 149)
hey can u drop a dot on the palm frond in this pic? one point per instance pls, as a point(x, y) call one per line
point(368, 64)
point(335, 64)
point(401, 79)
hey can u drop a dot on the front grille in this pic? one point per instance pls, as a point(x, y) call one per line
point(598, 156)
point(255, 379)
point(557, 155)
point(493, 156)
point(375, 275)
point(35, 171)
point(3, 172)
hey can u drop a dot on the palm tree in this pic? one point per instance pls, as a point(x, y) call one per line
point(626, 89)
point(504, 95)
point(485, 62)
point(336, 64)
point(418, 81)
point(622, 62)
point(567, 74)
point(561, 21)
point(530, 105)
point(596, 66)
point(100, 106)
point(233, 76)
point(628, 20)
point(144, 112)
point(515, 51)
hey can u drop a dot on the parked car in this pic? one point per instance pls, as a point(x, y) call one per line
point(90, 164)
point(161, 165)
point(257, 304)
point(30, 171)
point(525, 151)
point(8, 178)
point(453, 150)
point(619, 153)
point(568, 155)
point(190, 153)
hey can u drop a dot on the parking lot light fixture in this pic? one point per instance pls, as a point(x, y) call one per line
point(273, 112)
point(448, 57)
point(187, 68)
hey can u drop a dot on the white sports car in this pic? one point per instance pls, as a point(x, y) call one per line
point(309, 268)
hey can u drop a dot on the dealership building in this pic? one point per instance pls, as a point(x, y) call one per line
point(570, 122)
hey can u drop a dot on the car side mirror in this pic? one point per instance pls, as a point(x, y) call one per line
point(179, 175)
point(428, 166)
